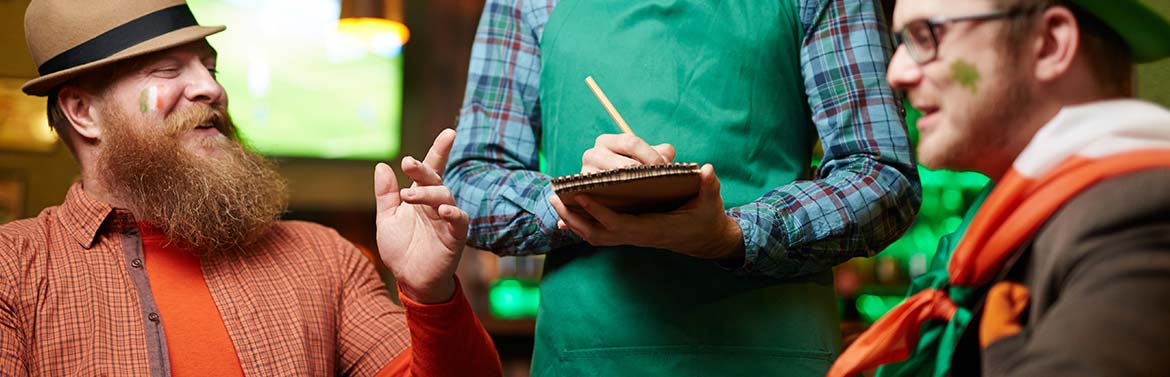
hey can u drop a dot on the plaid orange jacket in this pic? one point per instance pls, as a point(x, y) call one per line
point(75, 300)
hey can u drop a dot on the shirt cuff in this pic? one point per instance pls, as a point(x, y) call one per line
point(446, 339)
point(753, 243)
point(443, 312)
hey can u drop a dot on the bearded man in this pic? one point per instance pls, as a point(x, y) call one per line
point(167, 257)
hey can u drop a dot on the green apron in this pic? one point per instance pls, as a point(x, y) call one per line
point(721, 81)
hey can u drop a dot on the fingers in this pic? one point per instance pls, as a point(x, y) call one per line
point(429, 171)
point(457, 218)
point(602, 226)
point(385, 188)
point(630, 146)
point(420, 172)
point(576, 223)
point(597, 159)
point(607, 218)
point(708, 190)
point(433, 196)
point(666, 150)
point(436, 158)
point(708, 182)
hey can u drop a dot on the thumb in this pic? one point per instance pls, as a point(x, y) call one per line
point(666, 150)
point(708, 182)
point(386, 188)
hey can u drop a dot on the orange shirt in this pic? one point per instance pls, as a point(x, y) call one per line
point(76, 299)
point(198, 343)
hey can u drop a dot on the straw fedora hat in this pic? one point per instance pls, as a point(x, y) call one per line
point(68, 38)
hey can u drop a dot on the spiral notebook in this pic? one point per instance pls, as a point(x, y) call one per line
point(633, 189)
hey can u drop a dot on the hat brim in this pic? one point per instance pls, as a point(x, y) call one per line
point(1142, 28)
point(41, 86)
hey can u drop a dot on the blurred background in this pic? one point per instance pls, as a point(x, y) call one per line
point(330, 87)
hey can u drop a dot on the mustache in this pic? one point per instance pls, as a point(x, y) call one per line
point(197, 115)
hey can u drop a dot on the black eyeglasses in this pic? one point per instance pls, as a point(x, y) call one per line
point(921, 36)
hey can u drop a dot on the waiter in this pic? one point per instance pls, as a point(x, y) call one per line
point(738, 281)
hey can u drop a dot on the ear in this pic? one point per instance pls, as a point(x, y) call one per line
point(1057, 48)
point(78, 107)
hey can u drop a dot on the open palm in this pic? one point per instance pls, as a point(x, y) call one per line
point(420, 231)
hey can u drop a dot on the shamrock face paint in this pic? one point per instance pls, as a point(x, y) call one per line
point(148, 100)
point(965, 74)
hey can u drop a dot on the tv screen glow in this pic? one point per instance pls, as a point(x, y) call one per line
point(299, 87)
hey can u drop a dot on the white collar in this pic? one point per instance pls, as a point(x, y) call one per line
point(1095, 130)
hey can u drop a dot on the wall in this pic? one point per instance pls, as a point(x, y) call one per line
point(48, 175)
point(1154, 79)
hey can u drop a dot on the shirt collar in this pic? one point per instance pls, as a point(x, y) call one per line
point(84, 217)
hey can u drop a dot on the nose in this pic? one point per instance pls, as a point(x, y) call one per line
point(202, 85)
point(903, 72)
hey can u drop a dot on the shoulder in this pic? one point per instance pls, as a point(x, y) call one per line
point(308, 242)
point(27, 247)
point(26, 237)
point(1129, 200)
point(304, 232)
point(533, 15)
point(1130, 210)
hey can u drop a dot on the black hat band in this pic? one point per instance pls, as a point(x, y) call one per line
point(120, 38)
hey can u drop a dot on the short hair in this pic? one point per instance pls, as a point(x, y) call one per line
point(1108, 56)
point(57, 119)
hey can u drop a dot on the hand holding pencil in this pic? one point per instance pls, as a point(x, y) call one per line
point(699, 228)
point(612, 151)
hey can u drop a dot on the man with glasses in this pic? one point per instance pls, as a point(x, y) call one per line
point(1063, 265)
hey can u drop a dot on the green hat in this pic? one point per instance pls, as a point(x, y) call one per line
point(1146, 30)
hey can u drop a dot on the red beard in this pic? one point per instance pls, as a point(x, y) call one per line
point(208, 204)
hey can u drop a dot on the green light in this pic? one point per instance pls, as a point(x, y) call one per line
point(951, 224)
point(947, 178)
point(952, 199)
point(873, 307)
point(512, 298)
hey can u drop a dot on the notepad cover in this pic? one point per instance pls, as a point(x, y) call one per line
point(633, 189)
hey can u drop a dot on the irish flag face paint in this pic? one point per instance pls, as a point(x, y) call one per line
point(148, 100)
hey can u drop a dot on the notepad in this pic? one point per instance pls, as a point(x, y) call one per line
point(633, 189)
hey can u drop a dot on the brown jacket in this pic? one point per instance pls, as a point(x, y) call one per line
point(1098, 275)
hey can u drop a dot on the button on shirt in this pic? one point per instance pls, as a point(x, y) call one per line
point(75, 299)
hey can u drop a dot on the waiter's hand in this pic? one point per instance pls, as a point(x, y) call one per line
point(700, 228)
point(420, 230)
point(613, 151)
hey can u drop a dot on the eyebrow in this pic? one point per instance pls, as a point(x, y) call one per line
point(161, 60)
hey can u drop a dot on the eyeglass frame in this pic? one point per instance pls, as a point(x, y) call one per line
point(934, 24)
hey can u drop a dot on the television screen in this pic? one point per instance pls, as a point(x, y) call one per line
point(298, 86)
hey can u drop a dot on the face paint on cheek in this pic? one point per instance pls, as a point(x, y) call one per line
point(148, 100)
point(965, 74)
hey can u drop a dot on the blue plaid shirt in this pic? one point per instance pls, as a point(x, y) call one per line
point(864, 196)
